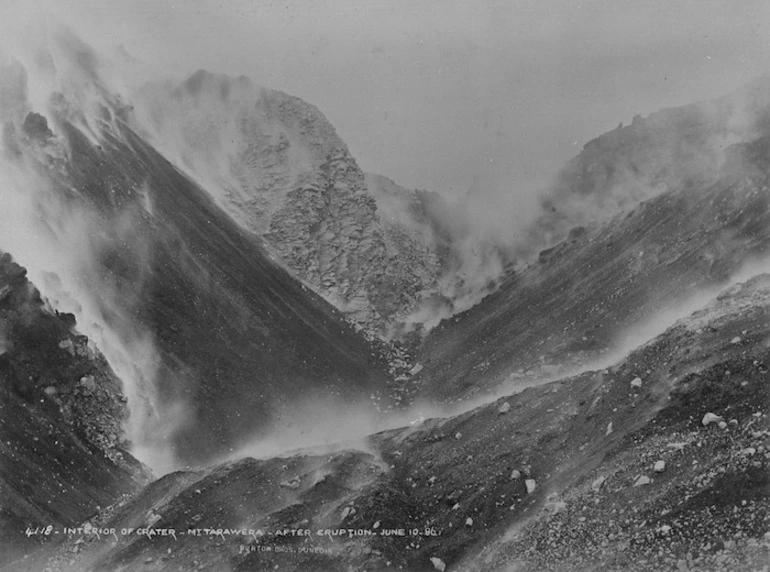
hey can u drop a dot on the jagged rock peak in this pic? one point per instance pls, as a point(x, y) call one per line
point(277, 165)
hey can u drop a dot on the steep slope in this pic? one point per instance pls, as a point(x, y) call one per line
point(217, 343)
point(63, 453)
point(222, 353)
point(250, 342)
point(278, 167)
point(548, 478)
point(581, 297)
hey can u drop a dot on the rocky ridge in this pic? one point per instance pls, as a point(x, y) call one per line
point(672, 148)
point(288, 177)
point(605, 279)
point(64, 453)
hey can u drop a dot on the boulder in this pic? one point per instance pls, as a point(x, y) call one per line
point(642, 480)
point(709, 418)
point(531, 485)
point(438, 564)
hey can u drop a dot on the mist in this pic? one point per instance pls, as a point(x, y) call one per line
point(61, 239)
point(482, 103)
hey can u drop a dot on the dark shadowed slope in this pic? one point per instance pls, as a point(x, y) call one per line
point(582, 296)
point(241, 344)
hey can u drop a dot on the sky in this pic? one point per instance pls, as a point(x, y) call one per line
point(470, 96)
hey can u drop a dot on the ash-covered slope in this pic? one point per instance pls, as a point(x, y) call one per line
point(580, 298)
point(63, 452)
point(214, 342)
point(245, 341)
point(615, 469)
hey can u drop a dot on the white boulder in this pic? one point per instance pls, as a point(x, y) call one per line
point(438, 564)
point(642, 480)
point(710, 418)
point(531, 485)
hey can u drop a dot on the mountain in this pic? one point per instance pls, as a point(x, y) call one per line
point(640, 269)
point(176, 397)
point(669, 149)
point(214, 341)
point(278, 167)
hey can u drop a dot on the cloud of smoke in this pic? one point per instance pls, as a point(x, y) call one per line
point(324, 424)
point(217, 130)
point(58, 237)
point(503, 229)
point(678, 147)
point(472, 245)
point(51, 235)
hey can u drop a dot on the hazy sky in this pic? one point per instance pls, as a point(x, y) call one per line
point(442, 94)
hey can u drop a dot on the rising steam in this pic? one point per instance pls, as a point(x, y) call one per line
point(203, 127)
point(57, 236)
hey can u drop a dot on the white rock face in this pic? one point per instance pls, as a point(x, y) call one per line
point(637, 382)
point(660, 466)
point(505, 407)
point(596, 486)
point(709, 418)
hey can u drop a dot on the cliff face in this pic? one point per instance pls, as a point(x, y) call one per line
point(279, 168)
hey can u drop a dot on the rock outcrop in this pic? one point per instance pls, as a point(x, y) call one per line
point(63, 454)
point(278, 167)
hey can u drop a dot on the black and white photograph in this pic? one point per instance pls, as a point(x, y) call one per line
point(384, 285)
